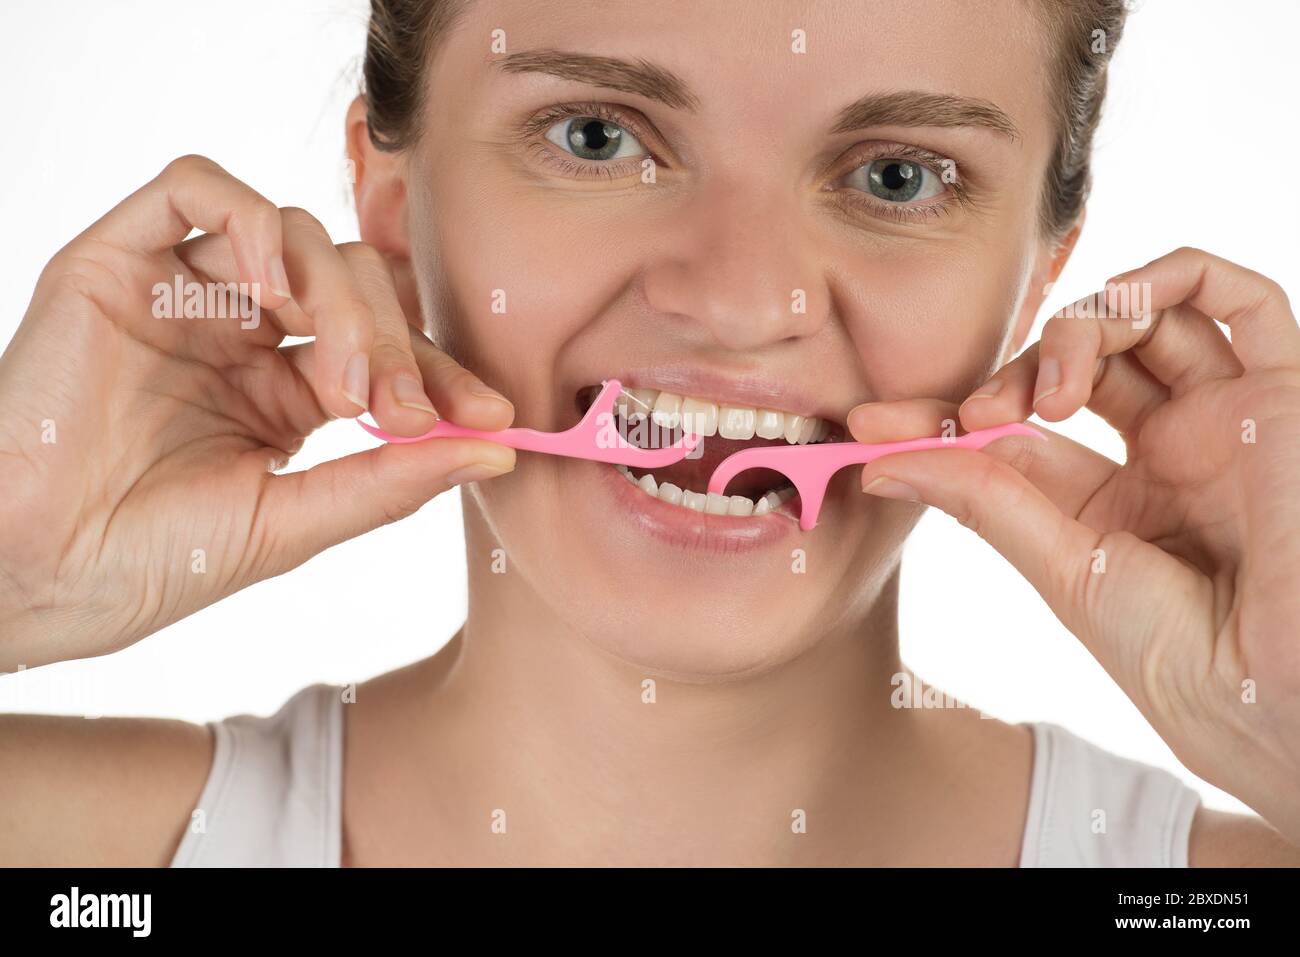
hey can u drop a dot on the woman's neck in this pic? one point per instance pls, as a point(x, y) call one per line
point(586, 758)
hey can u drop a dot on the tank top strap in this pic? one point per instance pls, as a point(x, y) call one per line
point(273, 797)
point(1091, 808)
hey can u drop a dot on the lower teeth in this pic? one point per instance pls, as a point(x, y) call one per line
point(710, 503)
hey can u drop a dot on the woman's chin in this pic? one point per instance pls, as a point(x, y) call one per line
point(668, 590)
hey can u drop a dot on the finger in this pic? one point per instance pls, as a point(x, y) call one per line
point(307, 512)
point(193, 192)
point(1179, 348)
point(302, 357)
point(902, 419)
point(457, 393)
point(1183, 348)
point(1065, 471)
point(210, 256)
point(398, 399)
point(329, 304)
point(1123, 392)
point(1090, 579)
point(1264, 330)
point(1000, 505)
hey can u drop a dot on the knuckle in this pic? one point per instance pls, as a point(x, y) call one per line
point(368, 263)
point(388, 355)
point(396, 510)
point(967, 517)
point(357, 307)
point(1273, 291)
point(191, 164)
point(982, 486)
point(260, 216)
point(295, 217)
point(362, 253)
point(1023, 454)
point(79, 270)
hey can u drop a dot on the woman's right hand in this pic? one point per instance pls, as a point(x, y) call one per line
point(136, 452)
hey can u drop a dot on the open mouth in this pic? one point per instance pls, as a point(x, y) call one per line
point(650, 418)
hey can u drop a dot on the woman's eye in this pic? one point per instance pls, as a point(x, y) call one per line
point(591, 138)
point(896, 180)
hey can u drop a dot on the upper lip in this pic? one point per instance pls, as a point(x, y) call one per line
point(760, 390)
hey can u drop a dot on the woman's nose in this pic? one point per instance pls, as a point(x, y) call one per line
point(740, 263)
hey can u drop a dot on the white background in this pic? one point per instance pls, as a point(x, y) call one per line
point(1197, 148)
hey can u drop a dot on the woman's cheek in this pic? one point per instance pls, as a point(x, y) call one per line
point(928, 323)
point(528, 274)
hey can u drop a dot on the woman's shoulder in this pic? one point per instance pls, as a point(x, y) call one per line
point(112, 791)
point(1090, 807)
point(274, 790)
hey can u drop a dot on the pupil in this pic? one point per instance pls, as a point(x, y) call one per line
point(593, 138)
point(896, 175)
point(593, 135)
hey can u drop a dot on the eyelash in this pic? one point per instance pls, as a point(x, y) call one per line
point(569, 165)
point(867, 154)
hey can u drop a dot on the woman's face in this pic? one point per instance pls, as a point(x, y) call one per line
point(747, 207)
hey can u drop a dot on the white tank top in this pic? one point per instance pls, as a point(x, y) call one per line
point(274, 797)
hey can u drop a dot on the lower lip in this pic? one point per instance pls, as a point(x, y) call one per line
point(687, 528)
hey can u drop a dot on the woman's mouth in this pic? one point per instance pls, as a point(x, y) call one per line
point(651, 418)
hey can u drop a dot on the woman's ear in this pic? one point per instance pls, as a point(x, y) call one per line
point(1046, 270)
point(379, 192)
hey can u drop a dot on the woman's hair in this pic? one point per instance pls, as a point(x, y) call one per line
point(404, 33)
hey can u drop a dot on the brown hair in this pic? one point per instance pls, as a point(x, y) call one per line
point(403, 33)
point(1086, 33)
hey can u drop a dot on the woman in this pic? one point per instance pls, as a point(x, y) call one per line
point(784, 230)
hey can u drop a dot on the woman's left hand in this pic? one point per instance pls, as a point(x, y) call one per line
point(1179, 570)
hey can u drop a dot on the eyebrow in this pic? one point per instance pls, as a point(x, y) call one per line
point(640, 77)
point(643, 78)
point(913, 108)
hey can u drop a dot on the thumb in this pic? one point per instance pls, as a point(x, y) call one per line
point(1052, 551)
point(307, 512)
point(1114, 591)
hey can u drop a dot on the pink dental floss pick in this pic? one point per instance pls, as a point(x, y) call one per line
point(596, 437)
point(810, 467)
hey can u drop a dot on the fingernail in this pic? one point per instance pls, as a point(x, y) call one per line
point(278, 276)
point(410, 393)
point(478, 388)
point(986, 391)
point(886, 487)
point(356, 379)
point(1049, 379)
point(856, 414)
point(477, 472)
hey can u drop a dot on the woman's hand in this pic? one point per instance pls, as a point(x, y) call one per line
point(136, 445)
point(1180, 569)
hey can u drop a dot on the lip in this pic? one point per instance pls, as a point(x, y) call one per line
point(761, 390)
point(683, 527)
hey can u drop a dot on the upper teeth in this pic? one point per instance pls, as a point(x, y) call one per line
point(701, 417)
